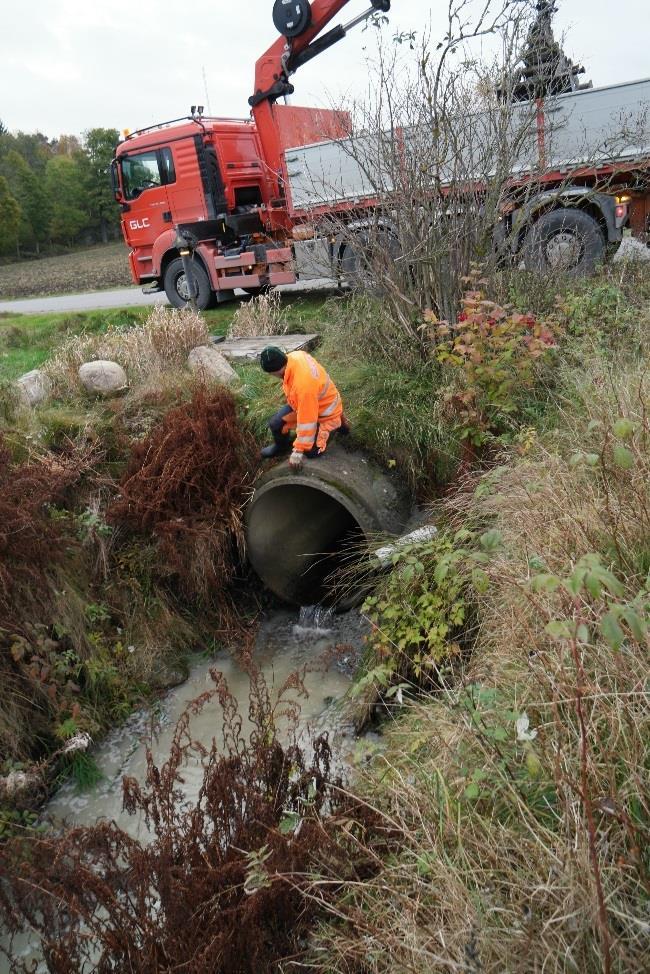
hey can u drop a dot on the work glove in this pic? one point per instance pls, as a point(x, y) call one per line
point(295, 460)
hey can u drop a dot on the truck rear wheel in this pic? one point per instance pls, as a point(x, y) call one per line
point(176, 285)
point(564, 241)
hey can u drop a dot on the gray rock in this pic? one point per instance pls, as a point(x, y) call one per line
point(103, 378)
point(209, 363)
point(633, 250)
point(34, 387)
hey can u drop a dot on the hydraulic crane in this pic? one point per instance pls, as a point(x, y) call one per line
point(300, 23)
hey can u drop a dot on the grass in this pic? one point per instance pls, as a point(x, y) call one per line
point(512, 797)
point(27, 341)
point(516, 792)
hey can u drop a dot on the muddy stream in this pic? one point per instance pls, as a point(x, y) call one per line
point(329, 645)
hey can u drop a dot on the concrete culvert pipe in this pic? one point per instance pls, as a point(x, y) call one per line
point(303, 529)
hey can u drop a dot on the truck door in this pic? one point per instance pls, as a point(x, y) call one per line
point(145, 180)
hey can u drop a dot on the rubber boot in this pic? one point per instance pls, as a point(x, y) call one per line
point(281, 445)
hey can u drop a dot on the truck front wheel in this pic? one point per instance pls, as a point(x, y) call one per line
point(564, 241)
point(177, 289)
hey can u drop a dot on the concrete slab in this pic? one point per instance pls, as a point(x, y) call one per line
point(249, 349)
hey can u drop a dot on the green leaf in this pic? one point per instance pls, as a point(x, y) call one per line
point(582, 633)
point(609, 580)
point(289, 823)
point(480, 580)
point(491, 540)
point(612, 631)
point(441, 570)
point(592, 459)
point(533, 764)
point(593, 585)
point(638, 625)
point(624, 429)
point(544, 582)
point(472, 791)
point(623, 457)
point(559, 629)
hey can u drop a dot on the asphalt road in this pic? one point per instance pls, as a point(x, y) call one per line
point(123, 298)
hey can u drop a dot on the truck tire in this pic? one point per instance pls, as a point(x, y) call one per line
point(176, 287)
point(565, 241)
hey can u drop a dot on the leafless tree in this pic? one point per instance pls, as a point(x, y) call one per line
point(446, 149)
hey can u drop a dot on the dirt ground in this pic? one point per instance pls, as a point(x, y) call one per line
point(85, 270)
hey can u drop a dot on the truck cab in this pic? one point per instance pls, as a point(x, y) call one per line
point(205, 176)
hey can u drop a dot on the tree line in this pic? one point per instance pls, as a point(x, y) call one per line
point(55, 192)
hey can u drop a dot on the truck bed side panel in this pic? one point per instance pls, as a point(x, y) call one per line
point(593, 127)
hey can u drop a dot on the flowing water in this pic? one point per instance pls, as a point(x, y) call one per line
point(327, 646)
point(283, 647)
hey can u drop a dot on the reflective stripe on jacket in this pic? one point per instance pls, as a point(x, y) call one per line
point(312, 395)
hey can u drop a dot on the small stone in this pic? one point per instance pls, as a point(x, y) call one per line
point(17, 782)
point(34, 387)
point(633, 250)
point(103, 378)
point(208, 362)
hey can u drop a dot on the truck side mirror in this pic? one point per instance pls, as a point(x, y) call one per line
point(115, 182)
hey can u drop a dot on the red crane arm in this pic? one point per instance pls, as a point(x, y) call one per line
point(271, 70)
point(285, 56)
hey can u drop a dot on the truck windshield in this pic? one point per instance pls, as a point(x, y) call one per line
point(140, 172)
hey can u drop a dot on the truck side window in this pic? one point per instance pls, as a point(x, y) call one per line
point(140, 172)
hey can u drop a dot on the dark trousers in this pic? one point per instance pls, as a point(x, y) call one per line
point(276, 425)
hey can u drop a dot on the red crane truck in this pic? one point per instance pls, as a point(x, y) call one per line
point(247, 196)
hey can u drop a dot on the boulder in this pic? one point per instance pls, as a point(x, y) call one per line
point(206, 361)
point(633, 250)
point(103, 378)
point(34, 387)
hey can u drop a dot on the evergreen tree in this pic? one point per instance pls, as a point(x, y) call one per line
point(99, 145)
point(9, 219)
point(66, 189)
point(29, 190)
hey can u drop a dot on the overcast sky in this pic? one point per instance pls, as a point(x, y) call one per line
point(70, 65)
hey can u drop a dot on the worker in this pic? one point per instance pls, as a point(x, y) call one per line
point(314, 408)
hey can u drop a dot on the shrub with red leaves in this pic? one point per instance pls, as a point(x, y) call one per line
point(186, 485)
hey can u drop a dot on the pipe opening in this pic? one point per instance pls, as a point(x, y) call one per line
point(299, 539)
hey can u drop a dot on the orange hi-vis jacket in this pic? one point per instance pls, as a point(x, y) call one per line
point(315, 400)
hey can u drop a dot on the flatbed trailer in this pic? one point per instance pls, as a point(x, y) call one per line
point(254, 201)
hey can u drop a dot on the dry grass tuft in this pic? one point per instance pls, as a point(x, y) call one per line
point(262, 315)
point(162, 342)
